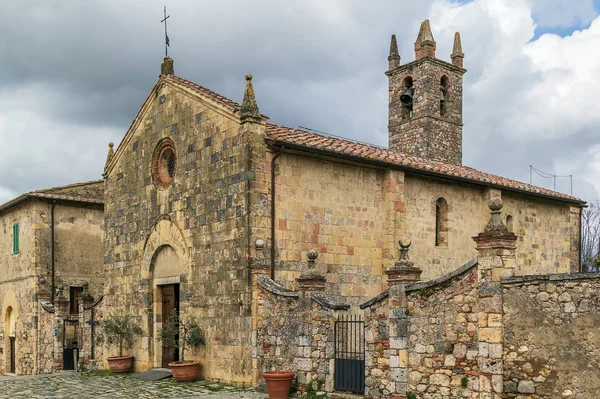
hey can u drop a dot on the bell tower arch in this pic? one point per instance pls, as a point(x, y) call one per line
point(425, 101)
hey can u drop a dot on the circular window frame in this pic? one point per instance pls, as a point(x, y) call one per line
point(164, 164)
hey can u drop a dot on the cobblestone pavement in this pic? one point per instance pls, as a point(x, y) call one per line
point(71, 385)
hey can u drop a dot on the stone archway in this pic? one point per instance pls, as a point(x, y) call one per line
point(166, 259)
point(10, 314)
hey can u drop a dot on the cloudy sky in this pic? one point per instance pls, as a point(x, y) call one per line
point(74, 73)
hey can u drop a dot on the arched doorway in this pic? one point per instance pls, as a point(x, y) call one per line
point(10, 325)
point(166, 270)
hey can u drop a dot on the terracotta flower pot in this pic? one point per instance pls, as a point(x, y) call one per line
point(279, 383)
point(185, 372)
point(118, 364)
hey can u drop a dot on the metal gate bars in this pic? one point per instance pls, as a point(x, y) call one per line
point(350, 354)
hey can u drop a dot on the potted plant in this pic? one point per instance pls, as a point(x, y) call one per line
point(182, 334)
point(278, 383)
point(120, 330)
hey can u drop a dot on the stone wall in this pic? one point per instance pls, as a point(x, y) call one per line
point(349, 214)
point(203, 216)
point(295, 331)
point(551, 336)
point(548, 230)
point(442, 337)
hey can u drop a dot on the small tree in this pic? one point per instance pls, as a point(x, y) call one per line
point(181, 334)
point(120, 330)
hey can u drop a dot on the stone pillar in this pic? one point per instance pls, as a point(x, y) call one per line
point(61, 312)
point(402, 273)
point(496, 260)
point(258, 268)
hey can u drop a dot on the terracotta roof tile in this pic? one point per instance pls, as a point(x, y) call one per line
point(91, 192)
point(334, 145)
point(202, 90)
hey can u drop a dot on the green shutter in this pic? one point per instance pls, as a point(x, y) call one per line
point(15, 238)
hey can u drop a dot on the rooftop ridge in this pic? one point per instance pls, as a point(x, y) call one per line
point(204, 90)
point(348, 147)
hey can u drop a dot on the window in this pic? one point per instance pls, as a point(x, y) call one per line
point(443, 94)
point(16, 238)
point(164, 164)
point(441, 223)
point(509, 223)
point(74, 299)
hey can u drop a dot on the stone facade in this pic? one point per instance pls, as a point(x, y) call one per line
point(72, 215)
point(204, 195)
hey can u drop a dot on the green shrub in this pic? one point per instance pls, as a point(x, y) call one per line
point(119, 330)
point(181, 334)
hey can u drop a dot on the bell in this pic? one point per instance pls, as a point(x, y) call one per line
point(442, 96)
point(407, 98)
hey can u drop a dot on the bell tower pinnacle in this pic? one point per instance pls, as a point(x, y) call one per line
point(425, 100)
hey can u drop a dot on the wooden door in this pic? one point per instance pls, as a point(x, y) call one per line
point(170, 305)
point(12, 355)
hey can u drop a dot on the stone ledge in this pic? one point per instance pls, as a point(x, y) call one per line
point(551, 277)
point(428, 284)
point(47, 306)
point(375, 300)
point(96, 302)
point(275, 288)
point(328, 303)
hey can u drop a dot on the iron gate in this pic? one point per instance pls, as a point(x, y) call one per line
point(350, 354)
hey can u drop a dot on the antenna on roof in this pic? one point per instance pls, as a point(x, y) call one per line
point(313, 130)
point(547, 175)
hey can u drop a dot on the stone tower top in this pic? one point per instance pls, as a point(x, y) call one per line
point(394, 57)
point(425, 44)
point(167, 67)
point(457, 54)
point(249, 108)
point(425, 110)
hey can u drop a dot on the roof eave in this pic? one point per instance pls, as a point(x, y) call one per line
point(284, 144)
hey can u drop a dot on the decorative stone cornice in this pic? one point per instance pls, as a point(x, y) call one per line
point(275, 288)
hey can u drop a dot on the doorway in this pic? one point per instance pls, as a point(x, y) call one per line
point(170, 306)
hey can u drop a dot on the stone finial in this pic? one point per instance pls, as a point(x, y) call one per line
point(111, 154)
point(312, 258)
point(167, 67)
point(425, 44)
point(249, 110)
point(457, 54)
point(259, 244)
point(312, 280)
point(403, 270)
point(394, 57)
point(495, 233)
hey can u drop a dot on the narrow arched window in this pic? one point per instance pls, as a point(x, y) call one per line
point(509, 223)
point(441, 223)
point(406, 98)
point(443, 94)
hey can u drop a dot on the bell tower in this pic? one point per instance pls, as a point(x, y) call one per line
point(425, 100)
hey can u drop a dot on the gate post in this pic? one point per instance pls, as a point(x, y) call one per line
point(496, 260)
point(61, 312)
point(402, 273)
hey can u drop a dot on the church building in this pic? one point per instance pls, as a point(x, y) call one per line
point(203, 193)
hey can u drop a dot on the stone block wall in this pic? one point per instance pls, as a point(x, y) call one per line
point(203, 215)
point(295, 331)
point(442, 337)
point(551, 335)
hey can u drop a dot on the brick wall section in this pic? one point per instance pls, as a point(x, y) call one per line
point(551, 337)
point(340, 211)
